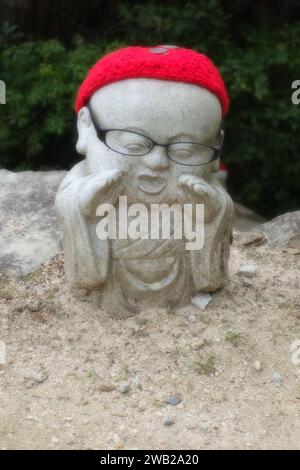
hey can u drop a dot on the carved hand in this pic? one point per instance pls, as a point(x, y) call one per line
point(202, 193)
point(99, 188)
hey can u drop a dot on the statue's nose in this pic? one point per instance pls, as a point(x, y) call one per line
point(157, 159)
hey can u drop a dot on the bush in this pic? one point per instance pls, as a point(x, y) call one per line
point(38, 127)
point(257, 51)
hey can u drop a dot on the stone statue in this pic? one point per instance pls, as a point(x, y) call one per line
point(149, 127)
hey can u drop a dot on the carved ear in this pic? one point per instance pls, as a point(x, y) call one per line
point(83, 126)
point(219, 143)
point(220, 140)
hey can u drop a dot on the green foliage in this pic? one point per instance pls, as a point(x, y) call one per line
point(37, 128)
point(198, 24)
point(233, 338)
point(206, 366)
point(8, 33)
point(262, 128)
point(256, 47)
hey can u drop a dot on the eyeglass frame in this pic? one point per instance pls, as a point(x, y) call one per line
point(101, 134)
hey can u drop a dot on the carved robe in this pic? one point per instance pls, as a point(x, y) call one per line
point(142, 273)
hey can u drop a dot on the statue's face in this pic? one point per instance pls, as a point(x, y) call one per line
point(166, 112)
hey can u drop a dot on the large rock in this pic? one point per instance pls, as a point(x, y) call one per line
point(29, 231)
point(282, 232)
point(283, 228)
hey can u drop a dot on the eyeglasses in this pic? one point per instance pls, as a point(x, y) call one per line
point(133, 144)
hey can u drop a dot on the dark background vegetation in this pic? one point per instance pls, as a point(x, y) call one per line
point(46, 48)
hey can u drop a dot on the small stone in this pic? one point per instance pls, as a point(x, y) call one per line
point(34, 306)
point(169, 421)
point(141, 406)
point(68, 419)
point(118, 443)
point(277, 378)
point(35, 377)
point(83, 402)
point(32, 418)
point(125, 387)
point(294, 243)
point(248, 270)
point(204, 427)
point(201, 300)
point(247, 283)
point(70, 439)
point(106, 388)
point(19, 307)
point(196, 345)
point(296, 314)
point(257, 366)
point(137, 382)
point(175, 400)
point(191, 318)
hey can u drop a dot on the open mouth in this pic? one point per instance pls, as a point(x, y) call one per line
point(151, 184)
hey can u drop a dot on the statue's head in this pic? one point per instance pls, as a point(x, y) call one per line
point(153, 113)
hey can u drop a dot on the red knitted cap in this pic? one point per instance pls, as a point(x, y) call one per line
point(161, 62)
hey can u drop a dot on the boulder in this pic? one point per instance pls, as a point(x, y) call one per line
point(29, 230)
point(30, 233)
point(282, 229)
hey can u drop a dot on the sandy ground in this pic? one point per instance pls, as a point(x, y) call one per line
point(75, 378)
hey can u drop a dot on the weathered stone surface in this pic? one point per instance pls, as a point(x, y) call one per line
point(281, 229)
point(139, 271)
point(29, 231)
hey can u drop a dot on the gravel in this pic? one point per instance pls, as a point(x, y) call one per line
point(248, 270)
point(201, 300)
point(175, 400)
